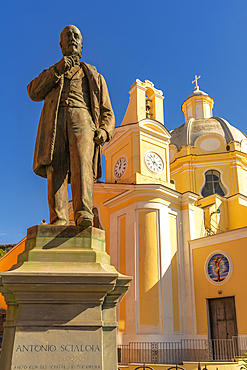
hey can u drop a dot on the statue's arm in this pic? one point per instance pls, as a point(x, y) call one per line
point(107, 117)
point(43, 84)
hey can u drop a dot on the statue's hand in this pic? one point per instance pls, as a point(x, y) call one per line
point(65, 64)
point(100, 136)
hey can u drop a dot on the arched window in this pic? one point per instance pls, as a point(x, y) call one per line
point(213, 184)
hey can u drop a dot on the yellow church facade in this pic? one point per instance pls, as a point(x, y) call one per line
point(178, 223)
point(174, 210)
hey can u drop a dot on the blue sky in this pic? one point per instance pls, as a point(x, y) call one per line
point(167, 42)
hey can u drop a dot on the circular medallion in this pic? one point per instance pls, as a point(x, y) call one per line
point(210, 144)
point(120, 167)
point(218, 267)
point(154, 162)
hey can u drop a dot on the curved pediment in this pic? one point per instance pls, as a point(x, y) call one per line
point(155, 127)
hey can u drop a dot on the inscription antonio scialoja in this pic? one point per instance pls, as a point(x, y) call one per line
point(56, 350)
point(53, 348)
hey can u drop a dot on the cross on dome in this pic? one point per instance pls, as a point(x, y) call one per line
point(195, 80)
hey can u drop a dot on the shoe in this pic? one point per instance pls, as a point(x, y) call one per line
point(84, 222)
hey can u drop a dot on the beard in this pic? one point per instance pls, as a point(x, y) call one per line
point(71, 51)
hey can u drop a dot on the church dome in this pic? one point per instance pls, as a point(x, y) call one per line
point(199, 121)
point(192, 129)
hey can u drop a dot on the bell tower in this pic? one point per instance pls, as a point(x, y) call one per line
point(145, 102)
point(144, 218)
point(139, 150)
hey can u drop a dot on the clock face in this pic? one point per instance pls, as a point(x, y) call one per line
point(120, 167)
point(154, 162)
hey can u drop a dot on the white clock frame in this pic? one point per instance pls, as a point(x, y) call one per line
point(157, 154)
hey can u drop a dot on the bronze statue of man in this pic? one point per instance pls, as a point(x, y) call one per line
point(76, 119)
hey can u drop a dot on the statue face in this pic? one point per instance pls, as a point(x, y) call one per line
point(71, 41)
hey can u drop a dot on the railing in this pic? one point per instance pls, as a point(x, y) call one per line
point(123, 354)
point(240, 345)
point(155, 352)
point(223, 349)
point(195, 350)
point(211, 226)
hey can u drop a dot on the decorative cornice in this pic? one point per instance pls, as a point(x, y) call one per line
point(152, 190)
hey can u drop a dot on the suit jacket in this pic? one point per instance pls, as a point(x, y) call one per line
point(48, 87)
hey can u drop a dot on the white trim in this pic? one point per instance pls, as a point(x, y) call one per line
point(211, 240)
point(148, 134)
point(165, 193)
point(129, 211)
point(137, 128)
point(175, 215)
point(147, 190)
point(165, 133)
point(123, 215)
point(156, 123)
point(192, 290)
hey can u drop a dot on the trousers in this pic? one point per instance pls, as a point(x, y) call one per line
point(72, 157)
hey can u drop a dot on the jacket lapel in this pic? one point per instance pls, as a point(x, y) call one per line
point(94, 88)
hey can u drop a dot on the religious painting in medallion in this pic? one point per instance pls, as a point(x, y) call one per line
point(218, 267)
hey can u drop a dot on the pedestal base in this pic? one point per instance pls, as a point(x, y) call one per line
point(61, 298)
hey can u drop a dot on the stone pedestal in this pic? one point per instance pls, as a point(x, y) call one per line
point(61, 298)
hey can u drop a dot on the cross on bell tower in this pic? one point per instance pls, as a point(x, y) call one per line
point(195, 80)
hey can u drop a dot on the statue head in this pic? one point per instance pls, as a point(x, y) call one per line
point(71, 41)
